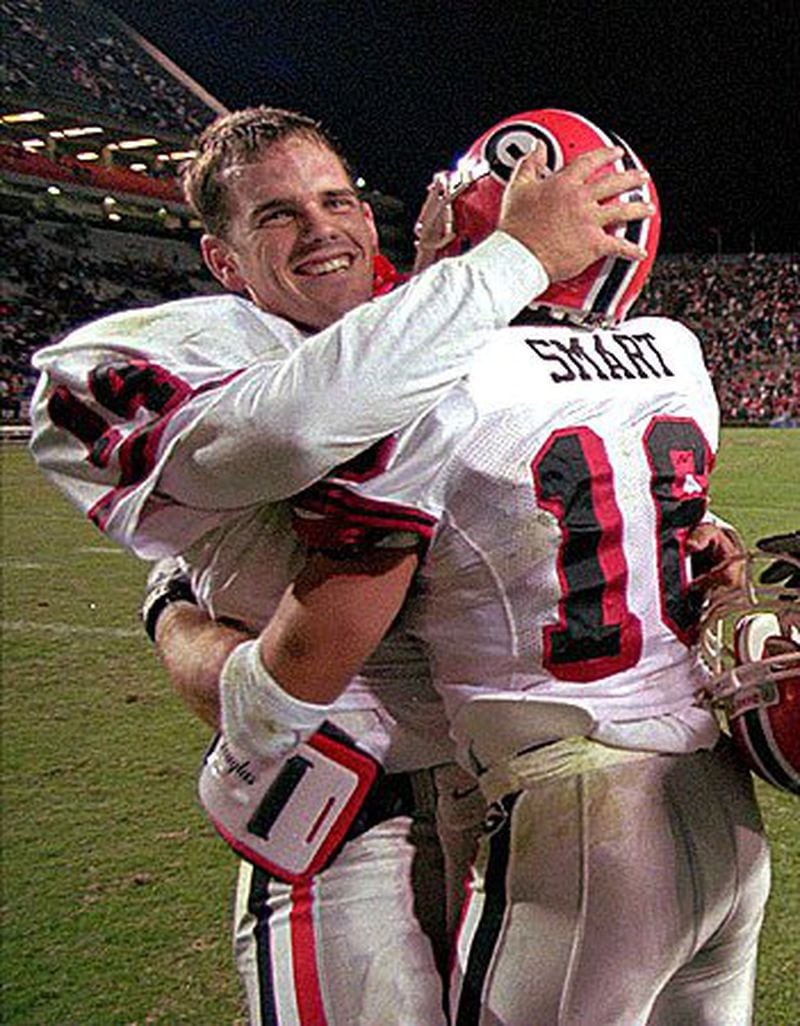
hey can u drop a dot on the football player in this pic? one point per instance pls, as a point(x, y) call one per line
point(179, 428)
point(623, 871)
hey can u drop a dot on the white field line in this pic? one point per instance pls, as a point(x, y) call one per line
point(63, 630)
point(103, 550)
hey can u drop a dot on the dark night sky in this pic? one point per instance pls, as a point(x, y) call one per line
point(707, 92)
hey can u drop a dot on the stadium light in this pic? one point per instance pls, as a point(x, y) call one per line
point(73, 133)
point(53, 190)
point(33, 144)
point(137, 144)
point(87, 155)
point(27, 115)
point(138, 167)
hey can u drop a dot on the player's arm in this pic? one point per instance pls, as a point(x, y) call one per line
point(278, 688)
point(328, 622)
point(272, 433)
point(192, 647)
point(154, 437)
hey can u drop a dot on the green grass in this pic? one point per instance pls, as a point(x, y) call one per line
point(116, 894)
point(756, 485)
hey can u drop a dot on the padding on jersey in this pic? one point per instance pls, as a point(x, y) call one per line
point(328, 516)
point(287, 817)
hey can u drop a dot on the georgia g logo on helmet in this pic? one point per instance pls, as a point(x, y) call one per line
point(506, 146)
point(463, 207)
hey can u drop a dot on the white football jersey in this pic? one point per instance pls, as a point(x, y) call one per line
point(180, 428)
point(554, 491)
point(242, 568)
point(159, 423)
point(172, 427)
point(132, 401)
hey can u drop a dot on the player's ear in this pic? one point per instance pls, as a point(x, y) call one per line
point(370, 219)
point(221, 260)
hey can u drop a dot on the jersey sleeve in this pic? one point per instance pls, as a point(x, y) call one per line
point(375, 370)
point(393, 495)
point(157, 423)
point(116, 399)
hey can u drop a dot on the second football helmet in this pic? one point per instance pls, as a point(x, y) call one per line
point(751, 646)
point(463, 207)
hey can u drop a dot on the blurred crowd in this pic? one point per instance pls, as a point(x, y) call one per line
point(85, 62)
point(57, 276)
point(745, 310)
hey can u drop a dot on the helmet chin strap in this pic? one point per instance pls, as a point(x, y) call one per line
point(435, 226)
point(559, 316)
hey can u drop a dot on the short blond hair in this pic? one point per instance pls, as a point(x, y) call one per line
point(240, 137)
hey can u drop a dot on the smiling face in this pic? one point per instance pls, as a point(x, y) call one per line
point(299, 242)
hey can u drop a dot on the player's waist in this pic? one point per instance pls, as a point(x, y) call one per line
point(493, 728)
point(552, 761)
point(415, 742)
point(415, 794)
point(572, 757)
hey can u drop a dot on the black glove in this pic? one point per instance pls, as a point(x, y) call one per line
point(167, 582)
point(781, 571)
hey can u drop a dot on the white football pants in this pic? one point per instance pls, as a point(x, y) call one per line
point(625, 895)
point(367, 942)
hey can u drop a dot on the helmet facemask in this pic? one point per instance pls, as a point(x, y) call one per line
point(750, 645)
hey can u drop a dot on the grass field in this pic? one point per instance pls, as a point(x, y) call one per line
point(116, 895)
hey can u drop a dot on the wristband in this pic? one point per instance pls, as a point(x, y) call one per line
point(174, 589)
point(258, 716)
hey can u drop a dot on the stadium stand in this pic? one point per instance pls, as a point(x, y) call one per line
point(95, 121)
point(79, 54)
point(746, 312)
point(63, 273)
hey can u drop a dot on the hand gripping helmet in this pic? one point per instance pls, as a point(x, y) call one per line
point(463, 208)
point(750, 642)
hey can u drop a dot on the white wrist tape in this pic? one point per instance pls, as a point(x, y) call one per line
point(258, 716)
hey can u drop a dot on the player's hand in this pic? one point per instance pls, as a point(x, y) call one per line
point(718, 558)
point(562, 217)
point(784, 570)
point(167, 582)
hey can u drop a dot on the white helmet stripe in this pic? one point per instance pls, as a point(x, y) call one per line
point(613, 281)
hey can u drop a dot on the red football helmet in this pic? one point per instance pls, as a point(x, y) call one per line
point(463, 207)
point(751, 645)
